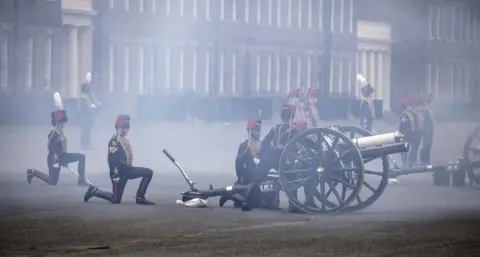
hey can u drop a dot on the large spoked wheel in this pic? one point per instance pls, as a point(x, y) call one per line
point(321, 161)
point(376, 174)
point(471, 154)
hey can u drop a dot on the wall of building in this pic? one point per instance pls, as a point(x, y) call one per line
point(224, 48)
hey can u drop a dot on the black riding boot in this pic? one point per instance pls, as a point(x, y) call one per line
point(31, 173)
point(142, 189)
point(95, 192)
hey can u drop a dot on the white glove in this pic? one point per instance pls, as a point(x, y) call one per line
point(93, 106)
point(256, 160)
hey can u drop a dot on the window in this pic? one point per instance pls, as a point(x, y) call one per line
point(460, 23)
point(451, 23)
point(270, 12)
point(168, 59)
point(269, 72)
point(342, 16)
point(320, 15)
point(154, 6)
point(279, 12)
point(168, 7)
point(4, 62)
point(207, 70)
point(126, 5)
point(289, 72)
point(474, 27)
point(181, 72)
point(29, 64)
point(277, 73)
point(257, 72)
point(309, 71)
point(152, 68)
point(258, 11)
point(194, 70)
point(141, 70)
point(141, 6)
point(310, 14)
point(466, 26)
point(351, 17)
point(299, 72)
point(111, 4)
point(208, 6)
point(222, 10)
point(111, 67)
point(195, 9)
point(298, 6)
point(126, 68)
point(289, 15)
point(234, 72)
point(48, 61)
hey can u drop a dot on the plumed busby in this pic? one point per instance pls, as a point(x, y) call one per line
point(123, 121)
point(254, 124)
point(312, 91)
point(366, 88)
point(58, 117)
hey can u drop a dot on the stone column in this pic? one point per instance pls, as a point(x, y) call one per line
point(387, 82)
point(73, 88)
point(85, 44)
point(363, 68)
point(372, 71)
point(379, 84)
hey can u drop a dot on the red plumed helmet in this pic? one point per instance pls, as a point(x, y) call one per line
point(406, 101)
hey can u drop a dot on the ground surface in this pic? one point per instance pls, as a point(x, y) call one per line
point(410, 219)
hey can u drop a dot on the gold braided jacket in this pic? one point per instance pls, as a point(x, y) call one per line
point(127, 147)
point(254, 146)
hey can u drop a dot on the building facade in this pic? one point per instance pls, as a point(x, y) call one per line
point(45, 45)
point(241, 47)
point(222, 48)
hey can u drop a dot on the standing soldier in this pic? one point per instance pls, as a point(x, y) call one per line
point(88, 105)
point(120, 161)
point(295, 100)
point(311, 107)
point(427, 129)
point(409, 128)
point(367, 109)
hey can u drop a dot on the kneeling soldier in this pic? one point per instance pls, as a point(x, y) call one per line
point(120, 159)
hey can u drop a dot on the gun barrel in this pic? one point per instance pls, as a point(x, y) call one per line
point(378, 140)
point(384, 150)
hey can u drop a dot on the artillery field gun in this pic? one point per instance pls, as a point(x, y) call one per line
point(330, 164)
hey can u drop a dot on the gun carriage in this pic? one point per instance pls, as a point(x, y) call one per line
point(328, 163)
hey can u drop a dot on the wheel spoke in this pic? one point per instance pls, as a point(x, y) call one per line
point(335, 192)
point(365, 161)
point(343, 181)
point(298, 183)
point(320, 197)
point(371, 172)
point(365, 183)
point(297, 171)
point(345, 170)
point(338, 158)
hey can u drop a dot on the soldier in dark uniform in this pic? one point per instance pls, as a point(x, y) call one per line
point(248, 153)
point(367, 109)
point(120, 162)
point(88, 105)
point(427, 129)
point(270, 151)
point(409, 128)
point(57, 153)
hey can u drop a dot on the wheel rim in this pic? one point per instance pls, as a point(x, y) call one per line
point(471, 154)
point(375, 181)
point(303, 163)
